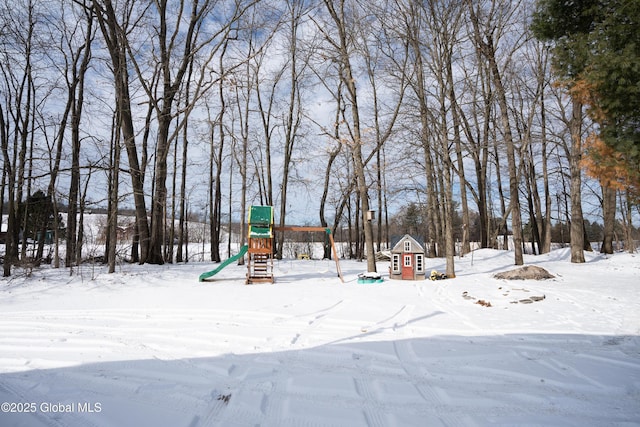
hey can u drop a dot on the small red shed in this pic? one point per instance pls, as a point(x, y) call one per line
point(407, 260)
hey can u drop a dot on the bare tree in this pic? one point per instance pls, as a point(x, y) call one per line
point(476, 125)
point(216, 158)
point(17, 116)
point(282, 118)
point(114, 32)
point(383, 49)
point(341, 44)
point(243, 92)
point(528, 108)
point(485, 43)
point(76, 51)
point(178, 41)
point(413, 24)
point(177, 46)
point(293, 116)
point(542, 61)
point(443, 24)
point(182, 230)
point(572, 117)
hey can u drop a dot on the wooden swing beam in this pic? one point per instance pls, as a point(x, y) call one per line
point(318, 229)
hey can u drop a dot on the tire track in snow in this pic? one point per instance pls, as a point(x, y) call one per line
point(292, 383)
point(448, 306)
point(623, 320)
point(275, 403)
point(154, 331)
point(143, 381)
point(378, 400)
point(274, 399)
point(418, 376)
point(213, 413)
point(371, 405)
point(319, 317)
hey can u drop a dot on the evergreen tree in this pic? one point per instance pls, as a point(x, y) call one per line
point(597, 53)
point(36, 215)
point(33, 212)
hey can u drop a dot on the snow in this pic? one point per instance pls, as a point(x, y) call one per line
point(152, 346)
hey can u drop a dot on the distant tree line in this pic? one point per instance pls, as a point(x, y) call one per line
point(491, 117)
point(412, 217)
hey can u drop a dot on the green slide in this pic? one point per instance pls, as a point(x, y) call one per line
point(243, 250)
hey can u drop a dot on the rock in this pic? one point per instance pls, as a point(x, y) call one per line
point(529, 272)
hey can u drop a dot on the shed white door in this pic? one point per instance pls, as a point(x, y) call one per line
point(407, 266)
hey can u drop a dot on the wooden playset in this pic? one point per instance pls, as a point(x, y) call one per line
point(259, 248)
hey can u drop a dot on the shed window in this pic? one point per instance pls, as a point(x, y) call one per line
point(407, 246)
point(396, 263)
point(419, 263)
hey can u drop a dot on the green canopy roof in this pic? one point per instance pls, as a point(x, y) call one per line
point(261, 221)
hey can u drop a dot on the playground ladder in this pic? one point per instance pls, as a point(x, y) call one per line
point(260, 260)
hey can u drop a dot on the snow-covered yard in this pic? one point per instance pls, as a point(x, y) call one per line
point(151, 346)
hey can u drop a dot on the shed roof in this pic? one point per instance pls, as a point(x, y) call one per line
point(415, 246)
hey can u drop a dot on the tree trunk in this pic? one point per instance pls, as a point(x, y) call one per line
point(627, 221)
point(169, 246)
point(10, 174)
point(447, 195)
point(609, 218)
point(216, 193)
point(500, 228)
point(83, 200)
point(546, 224)
point(243, 113)
point(323, 199)
point(333, 154)
point(466, 245)
point(533, 200)
point(182, 230)
point(112, 218)
point(577, 221)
